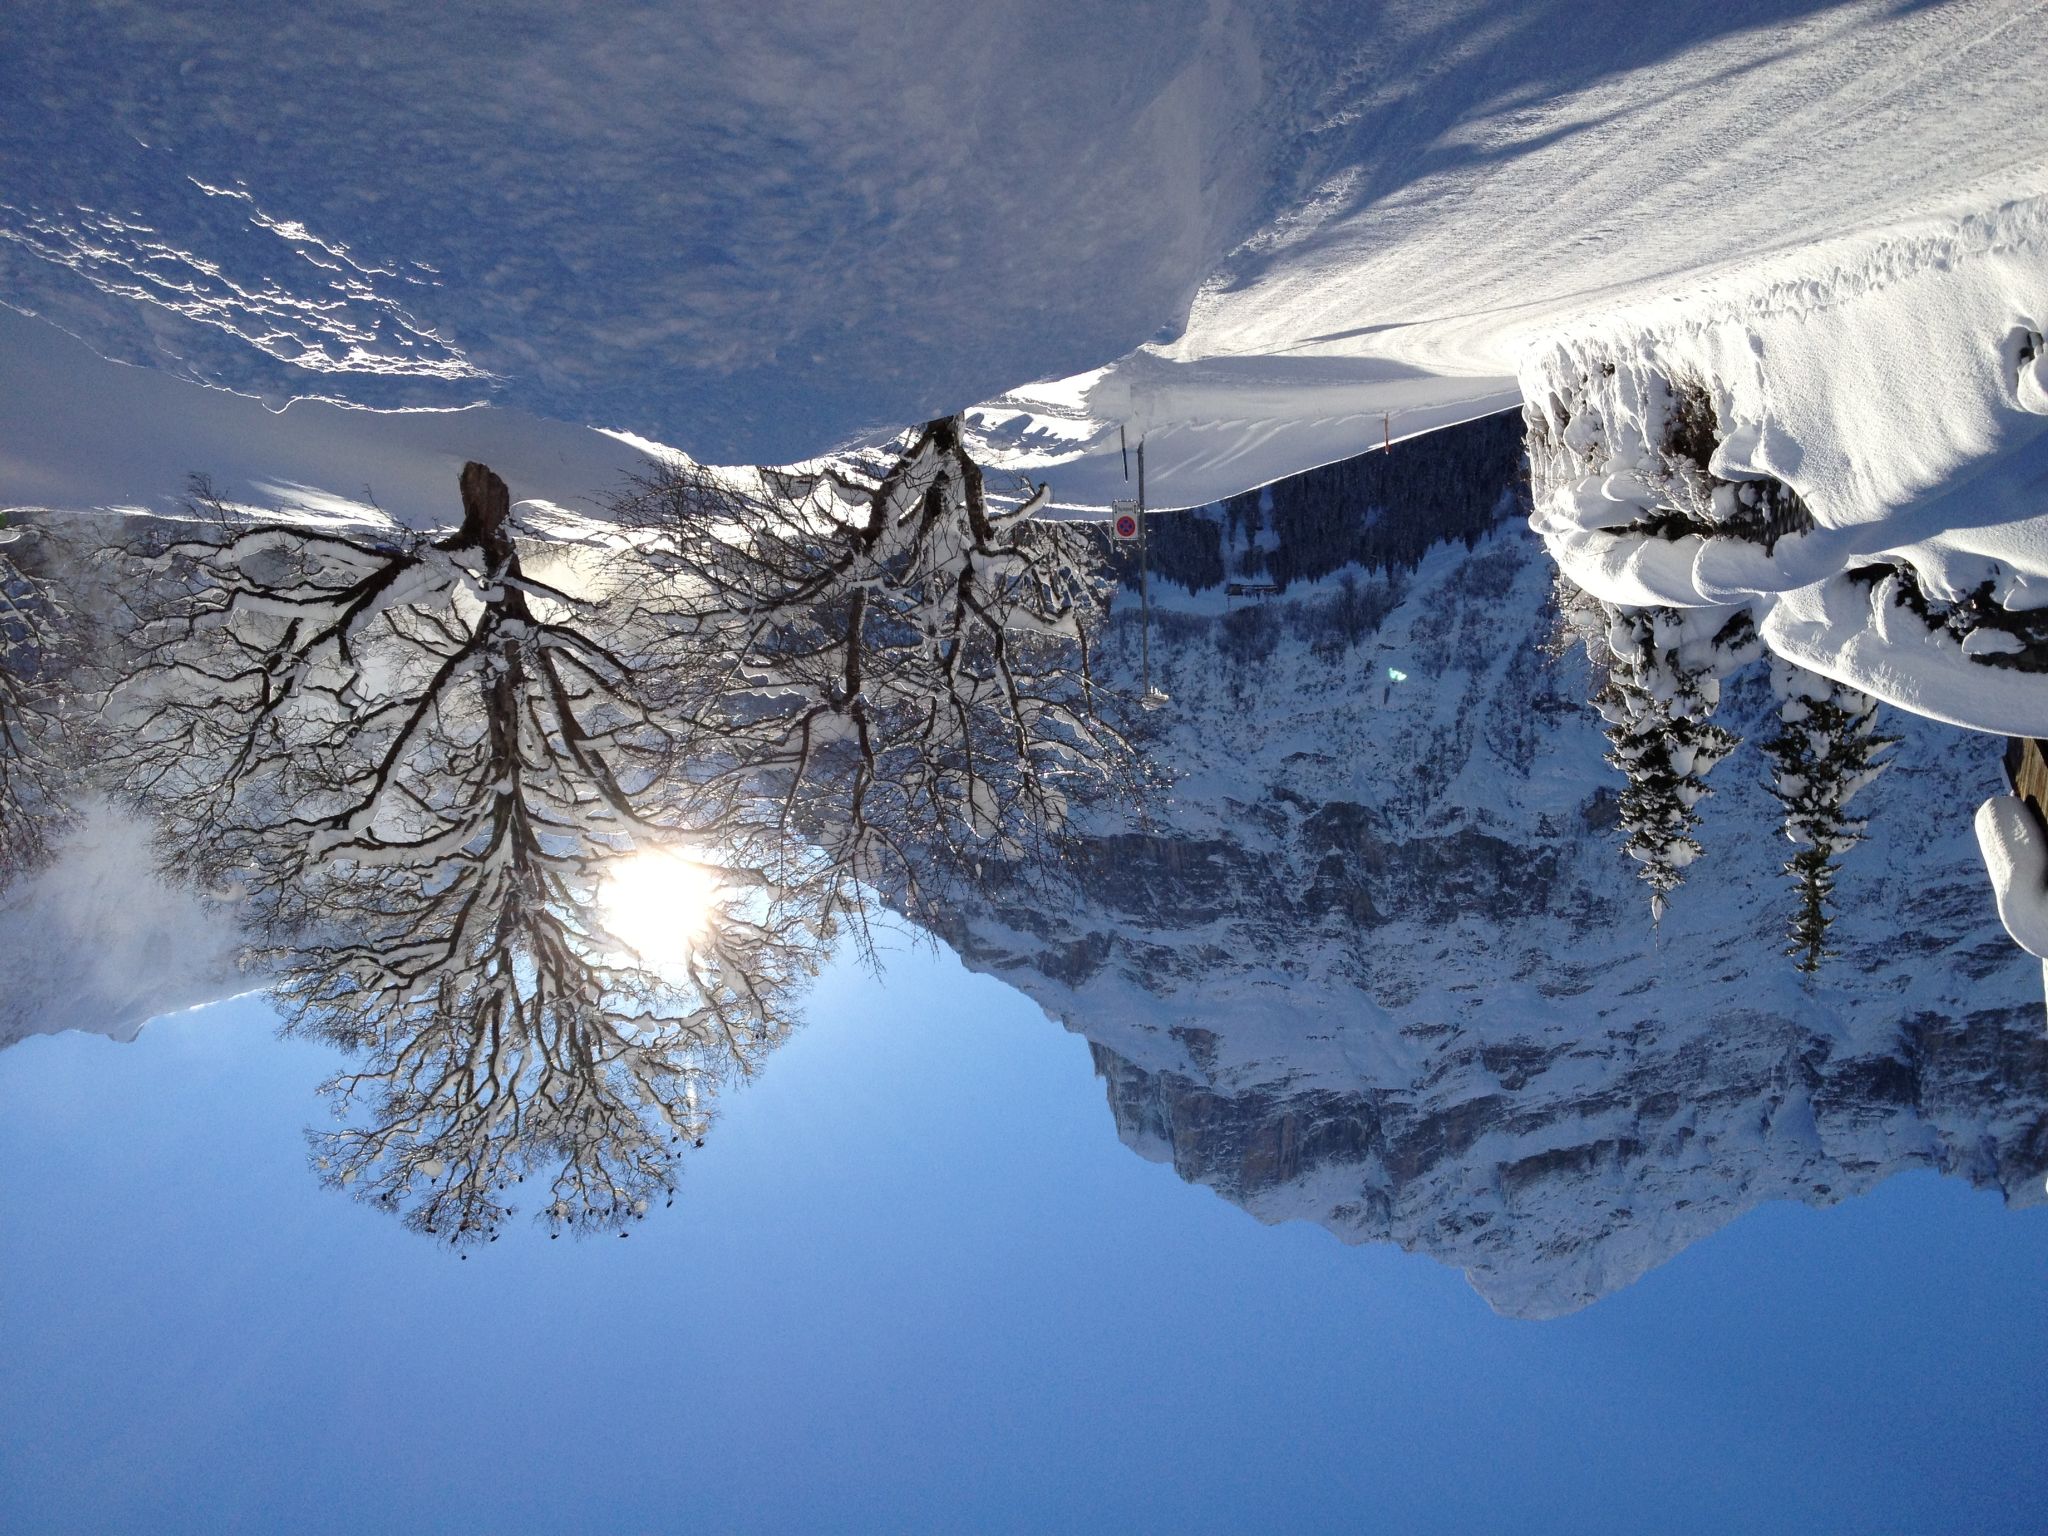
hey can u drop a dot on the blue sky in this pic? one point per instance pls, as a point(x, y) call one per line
point(915, 1283)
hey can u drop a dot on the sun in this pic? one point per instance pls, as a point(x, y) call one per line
point(658, 903)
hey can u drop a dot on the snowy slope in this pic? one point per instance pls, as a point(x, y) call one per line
point(1380, 964)
point(749, 230)
point(1489, 180)
point(88, 434)
point(758, 232)
point(1891, 383)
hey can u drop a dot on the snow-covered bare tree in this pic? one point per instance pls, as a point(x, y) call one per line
point(514, 1035)
point(1827, 748)
point(1661, 674)
point(902, 667)
point(37, 715)
point(416, 767)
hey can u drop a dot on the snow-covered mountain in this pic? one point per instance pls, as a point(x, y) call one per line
point(1378, 963)
point(101, 941)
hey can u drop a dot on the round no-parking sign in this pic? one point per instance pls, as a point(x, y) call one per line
point(1127, 525)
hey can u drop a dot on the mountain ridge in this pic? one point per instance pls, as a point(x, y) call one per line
point(1378, 963)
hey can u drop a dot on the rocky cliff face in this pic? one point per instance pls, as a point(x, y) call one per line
point(1377, 962)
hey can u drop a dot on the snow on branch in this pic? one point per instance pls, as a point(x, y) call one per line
point(1658, 682)
point(907, 673)
point(41, 729)
point(414, 769)
point(1826, 750)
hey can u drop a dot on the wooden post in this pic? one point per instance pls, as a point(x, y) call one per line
point(2026, 769)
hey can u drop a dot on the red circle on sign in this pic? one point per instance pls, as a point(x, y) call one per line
point(1126, 526)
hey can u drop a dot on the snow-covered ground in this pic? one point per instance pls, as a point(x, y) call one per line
point(1261, 236)
point(88, 433)
point(1278, 230)
point(1891, 383)
point(2016, 854)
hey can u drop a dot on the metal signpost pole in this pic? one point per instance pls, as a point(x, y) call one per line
point(1144, 575)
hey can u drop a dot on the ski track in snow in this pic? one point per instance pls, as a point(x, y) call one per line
point(757, 234)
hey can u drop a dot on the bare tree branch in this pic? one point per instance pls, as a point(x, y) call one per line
point(414, 767)
point(40, 732)
point(905, 669)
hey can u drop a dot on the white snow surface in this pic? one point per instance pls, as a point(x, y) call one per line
point(1263, 235)
point(88, 434)
point(2016, 856)
point(1882, 379)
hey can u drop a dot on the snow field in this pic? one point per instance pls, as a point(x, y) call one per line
point(1891, 396)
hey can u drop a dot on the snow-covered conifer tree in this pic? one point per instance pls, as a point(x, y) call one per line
point(1827, 748)
point(1663, 669)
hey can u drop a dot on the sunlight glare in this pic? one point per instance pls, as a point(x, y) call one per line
point(658, 903)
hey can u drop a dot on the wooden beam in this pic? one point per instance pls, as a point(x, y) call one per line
point(2026, 769)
